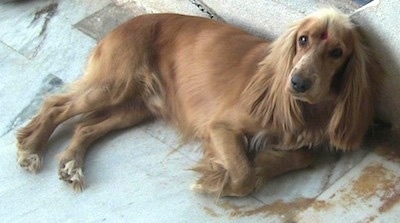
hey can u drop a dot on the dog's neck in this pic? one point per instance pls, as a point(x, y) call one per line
point(317, 115)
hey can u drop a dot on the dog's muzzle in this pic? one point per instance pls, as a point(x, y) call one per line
point(300, 84)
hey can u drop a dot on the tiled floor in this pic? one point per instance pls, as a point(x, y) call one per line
point(141, 174)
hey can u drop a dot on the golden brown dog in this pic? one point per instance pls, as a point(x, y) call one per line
point(244, 98)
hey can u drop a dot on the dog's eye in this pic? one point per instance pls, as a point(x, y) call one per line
point(303, 40)
point(336, 53)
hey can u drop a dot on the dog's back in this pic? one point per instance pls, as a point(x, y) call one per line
point(179, 65)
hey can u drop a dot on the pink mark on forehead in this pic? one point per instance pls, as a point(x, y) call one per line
point(324, 35)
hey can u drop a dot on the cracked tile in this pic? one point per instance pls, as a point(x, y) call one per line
point(61, 49)
point(25, 36)
point(205, 9)
point(47, 13)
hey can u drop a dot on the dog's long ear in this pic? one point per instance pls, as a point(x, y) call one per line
point(354, 110)
point(283, 50)
point(266, 87)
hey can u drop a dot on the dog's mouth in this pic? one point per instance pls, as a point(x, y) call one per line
point(312, 100)
point(303, 97)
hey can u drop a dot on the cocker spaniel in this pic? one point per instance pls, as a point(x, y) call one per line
point(246, 99)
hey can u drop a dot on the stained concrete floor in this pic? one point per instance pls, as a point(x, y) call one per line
point(141, 174)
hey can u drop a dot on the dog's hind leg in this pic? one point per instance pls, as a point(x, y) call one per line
point(57, 109)
point(32, 138)
point(92, 127)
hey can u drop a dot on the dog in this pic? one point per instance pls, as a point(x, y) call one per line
point(256, 106)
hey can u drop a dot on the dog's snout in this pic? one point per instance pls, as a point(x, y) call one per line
point(301, 84)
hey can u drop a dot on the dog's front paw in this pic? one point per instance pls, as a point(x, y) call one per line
point(216, 180)
point(71, 172)
point(30, 161)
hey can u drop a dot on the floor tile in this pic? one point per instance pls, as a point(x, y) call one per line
point(50, 84)
point(26, 35)
point(20, 83)
point(366, 192)
point(46, 38)
point(291, 193)
point(75, 10)
point(308, 6)
point(105, 20)
point(166, 6)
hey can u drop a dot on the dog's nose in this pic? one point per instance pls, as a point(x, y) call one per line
point(300, 84)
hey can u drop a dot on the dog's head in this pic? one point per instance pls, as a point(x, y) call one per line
point(324, 44)
point(324, 57)
point(321, 58)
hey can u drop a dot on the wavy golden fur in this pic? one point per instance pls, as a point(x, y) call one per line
point(246, 99)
